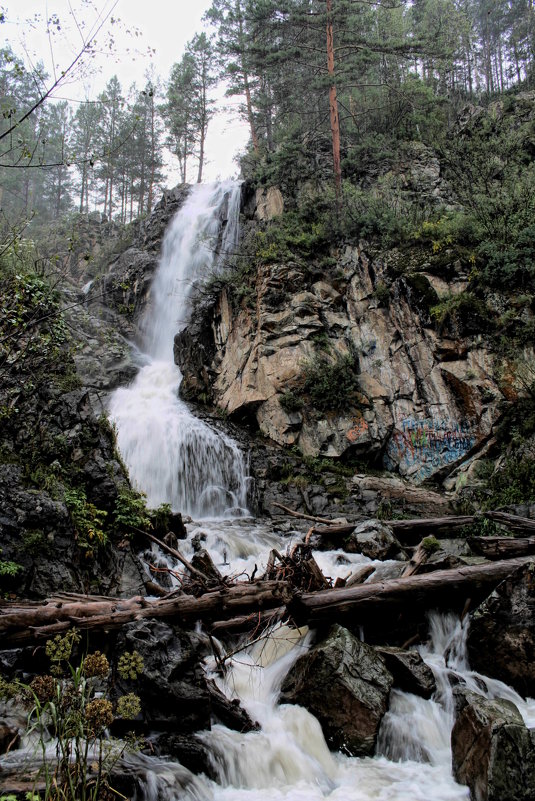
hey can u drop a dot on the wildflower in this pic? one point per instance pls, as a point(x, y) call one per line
point(44, 688)
point(96, 665)
point(129, 706)
point(98, 714)
point(130, 665)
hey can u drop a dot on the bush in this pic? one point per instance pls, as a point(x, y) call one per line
point(332, 385)
point(87, 519)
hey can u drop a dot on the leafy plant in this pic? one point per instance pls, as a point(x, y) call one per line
point(88, 521)
point(71, 707)
point(131, 511)
point(332, 385)
point(290, 401)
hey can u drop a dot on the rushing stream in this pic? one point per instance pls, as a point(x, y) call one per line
point(175, 458)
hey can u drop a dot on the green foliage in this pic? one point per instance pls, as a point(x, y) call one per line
point(292, 235)
point(161, 516)
point(379, 214)
point(9, 568)
point(512, 483)
point(509, 264)
point(382, 293)
point(131, 511)
point(463, 313)
point(87, 519)
point(494, 175)
point(332, 384)
point(290, 401)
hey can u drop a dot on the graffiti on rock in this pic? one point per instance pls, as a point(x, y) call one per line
point(421, 447)
point(358, 429)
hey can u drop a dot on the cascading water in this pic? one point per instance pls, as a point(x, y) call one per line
point(172, 456)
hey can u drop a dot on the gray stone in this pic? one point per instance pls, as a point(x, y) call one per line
point(501, 637)
point(493, 752)
point(345, 684)
point(374, 540)
point(410, 672)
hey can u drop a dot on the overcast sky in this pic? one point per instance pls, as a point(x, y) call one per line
point(165, 26)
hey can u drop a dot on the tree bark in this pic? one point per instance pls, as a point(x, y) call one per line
point(381, 603)
point(502, 547)
point(411, 532)
point(377, 604)
point(333, 105)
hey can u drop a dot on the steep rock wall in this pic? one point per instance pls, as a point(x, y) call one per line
point(427, 399)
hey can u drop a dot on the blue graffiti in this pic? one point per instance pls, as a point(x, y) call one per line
point(423, 446)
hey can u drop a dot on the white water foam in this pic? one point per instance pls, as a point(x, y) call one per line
point(172, 456)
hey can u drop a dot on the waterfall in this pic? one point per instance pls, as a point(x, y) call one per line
point(172, 456)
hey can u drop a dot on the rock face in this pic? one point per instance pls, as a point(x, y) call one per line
point(172, 685)
point(426, 399)
point(409, 670)
point(492, 750)
point(345, 684)
point(501, 638)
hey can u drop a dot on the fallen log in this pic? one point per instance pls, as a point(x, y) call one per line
point(502, 547)
point(408, 532)
point(417, 560)
point(517, 524)
point(382, 602)
point(302, 515)
point(370, 604)
point(411, 532)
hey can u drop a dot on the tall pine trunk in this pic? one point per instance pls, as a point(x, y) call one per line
point(333, 105)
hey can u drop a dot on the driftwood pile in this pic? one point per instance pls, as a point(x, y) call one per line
point(292, 587)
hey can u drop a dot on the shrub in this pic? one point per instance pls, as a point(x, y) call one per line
point(87, 519)
point(332, 385)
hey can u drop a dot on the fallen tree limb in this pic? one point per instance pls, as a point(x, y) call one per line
point(384, 601)
point(378, 603)
point(411, 532)
point(502, 547)
point(165, 547)
point(302, 515)
point(521, 525)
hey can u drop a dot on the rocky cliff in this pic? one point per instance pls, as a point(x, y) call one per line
point(380, 354)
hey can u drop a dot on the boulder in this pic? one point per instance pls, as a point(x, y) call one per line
point(371, 538)
point(374, 540)
point(171, 687)
point(501, 638)
point(345, 684)
point(410, 672)
point(493, 752)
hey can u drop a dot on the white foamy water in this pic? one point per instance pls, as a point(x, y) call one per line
point(172, 456)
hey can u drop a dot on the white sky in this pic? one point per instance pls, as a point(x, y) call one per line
point(165, 25)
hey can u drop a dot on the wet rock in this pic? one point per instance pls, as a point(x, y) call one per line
point(188, 750)
point(172, 687)
point(374, 540)
point(230, 713)
point(202, 561)
point(345, 684)
point(501, 638)
point(493, 752)
point(409, 670)
point(9, 737)
point(371, 538)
